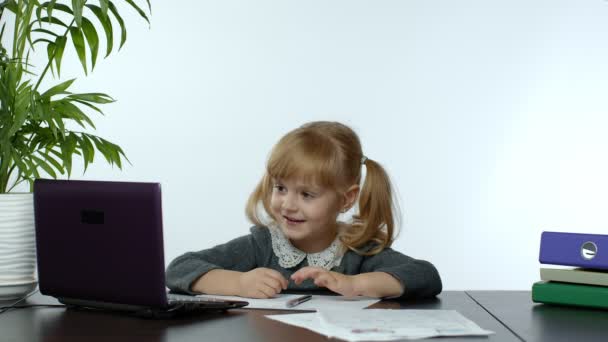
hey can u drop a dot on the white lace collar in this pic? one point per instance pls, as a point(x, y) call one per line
point(289, 256)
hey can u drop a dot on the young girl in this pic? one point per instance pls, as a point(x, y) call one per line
point(312, 175)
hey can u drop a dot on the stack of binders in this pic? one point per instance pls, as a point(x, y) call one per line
point(585, 284)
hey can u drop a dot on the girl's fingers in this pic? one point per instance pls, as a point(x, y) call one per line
point(260, 295)
point(273, 283)
point(306, 273)
point(278, 277)
point(296, 277)
point(325, 280)
point(332, 283)
point(267, 291)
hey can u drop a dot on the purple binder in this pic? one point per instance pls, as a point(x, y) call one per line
point(572, 249)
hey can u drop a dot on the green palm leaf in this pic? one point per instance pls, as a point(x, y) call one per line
point(54, 162)
point(93, 97)
point(50, 20)
point(44, 165)
point(139, 10)
point(88, 152)
point(78, 41)
point(49, 7)
point(40, 30)
point(60, 47)
point(92, 38)
point(106, 23)
point(58, 89)
point(77, 6)
point(104, 7)
point(123, 29)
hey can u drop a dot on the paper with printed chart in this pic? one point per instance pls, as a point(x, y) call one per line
point(384, 324)
point(317, 302)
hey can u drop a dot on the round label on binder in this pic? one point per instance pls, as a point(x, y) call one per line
point(588, 250)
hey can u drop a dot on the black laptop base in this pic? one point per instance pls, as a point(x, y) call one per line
point(174, 310)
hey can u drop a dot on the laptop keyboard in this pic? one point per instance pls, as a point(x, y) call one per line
point(185, 304)
point(173, 298)
point(177, 298)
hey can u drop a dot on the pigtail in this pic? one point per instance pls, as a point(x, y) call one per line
point(376, 218)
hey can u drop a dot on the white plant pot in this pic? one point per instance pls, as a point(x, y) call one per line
point(17, 245)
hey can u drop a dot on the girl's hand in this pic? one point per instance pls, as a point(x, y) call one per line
point(261, 283)
point(334, 281)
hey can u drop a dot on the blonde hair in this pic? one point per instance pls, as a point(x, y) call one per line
point(329, 154)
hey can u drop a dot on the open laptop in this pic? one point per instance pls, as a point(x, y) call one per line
point(100, 245)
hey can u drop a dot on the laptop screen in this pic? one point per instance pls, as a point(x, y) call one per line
point(100, 241)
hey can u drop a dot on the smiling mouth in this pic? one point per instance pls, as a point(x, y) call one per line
point(291, 220)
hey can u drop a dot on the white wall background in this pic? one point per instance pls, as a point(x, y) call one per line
point(489, 115)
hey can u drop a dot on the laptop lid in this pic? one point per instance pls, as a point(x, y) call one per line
point(100, 241)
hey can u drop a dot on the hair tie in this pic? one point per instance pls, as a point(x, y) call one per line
point(363, 160)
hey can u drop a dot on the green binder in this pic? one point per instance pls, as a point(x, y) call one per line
point(551, 292)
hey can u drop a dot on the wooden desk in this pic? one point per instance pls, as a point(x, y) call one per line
point(539, 322)
point(59, 324)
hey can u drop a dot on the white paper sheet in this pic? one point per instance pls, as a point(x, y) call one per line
point(317, 302)
point(384, 324)
point(310, 321)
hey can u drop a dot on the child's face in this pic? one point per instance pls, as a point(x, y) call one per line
point(306, 213)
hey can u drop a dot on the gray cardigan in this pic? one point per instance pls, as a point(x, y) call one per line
point(418, 277)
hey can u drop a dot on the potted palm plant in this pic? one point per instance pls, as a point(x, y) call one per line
point(42, 130)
